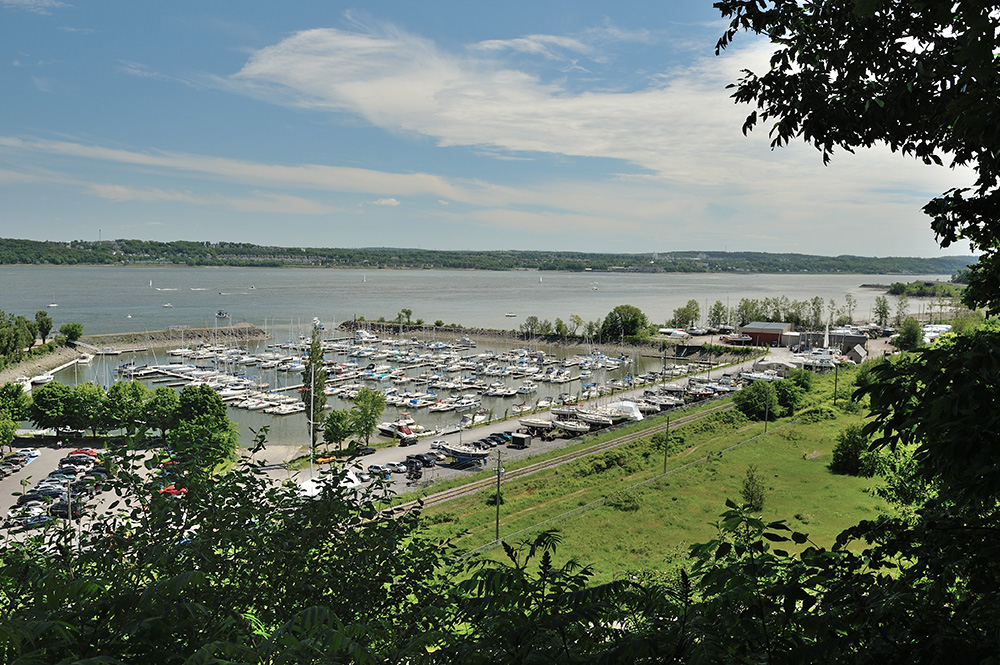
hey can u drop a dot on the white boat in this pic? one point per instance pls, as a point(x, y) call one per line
point(463, 452)
point(221, 314)
point(575, 426)
point(25, 383)
point(537, 423)
point(166, 304)
point(40, 379)
point(510, 315)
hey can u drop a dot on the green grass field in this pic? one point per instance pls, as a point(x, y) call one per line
point(617, 512)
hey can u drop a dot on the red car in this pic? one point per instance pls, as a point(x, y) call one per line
point(173, 491)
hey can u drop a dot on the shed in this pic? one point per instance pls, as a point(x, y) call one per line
point(858, 354)
point(764, 333)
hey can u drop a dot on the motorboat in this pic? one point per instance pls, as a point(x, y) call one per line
point(222, 314)
point(40, 379)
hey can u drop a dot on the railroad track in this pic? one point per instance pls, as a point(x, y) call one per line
point(551, 463)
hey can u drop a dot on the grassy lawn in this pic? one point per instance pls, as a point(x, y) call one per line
point(650, 525)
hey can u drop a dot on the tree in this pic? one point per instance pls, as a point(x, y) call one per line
point(204, 439)
point(850, 454)
point(407, 313)
point(560, 327)
point(49, 403)
point(816, 313)
point(15, 401)
point(125, 406)
point(918, 76)
point(688, 315)
point(624, 321)
point(575, 322)
point(717, 314)
point(911, 335)
point(753, 490)
point(44, 323)
point(789, 394)
point(87, 408)
point(163, 410)
point(367, 409)
point(8, 431)
point(902, 309)
point(881, 310)
point(71, 331)
point(850, 302)
point(337, 427)
point(758, 401)
point(313, 383)
point(530, 325)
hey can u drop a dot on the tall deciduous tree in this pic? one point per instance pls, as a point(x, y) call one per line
point(15, 401)
point(313, 384)
point(44, 323)
point(881, 310)
point(87, 408)
point(71, 331)
point(337, 427)
point(624, 321)
point(49, 403)
point(125, 405)
point(367, 409)
point(163, 410)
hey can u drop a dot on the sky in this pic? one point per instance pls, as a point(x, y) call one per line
point(565, 125)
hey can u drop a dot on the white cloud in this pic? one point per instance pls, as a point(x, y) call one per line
point(542, 45)
point(34, 6)
point(259, 202)
point(386, 202)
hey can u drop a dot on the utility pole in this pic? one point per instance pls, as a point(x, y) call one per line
point(312, 408)
point(499, 472)
point(836, 376)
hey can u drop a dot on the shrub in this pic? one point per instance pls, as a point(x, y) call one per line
point(817, 414)
point(789, 394)
point(851, 456)
point(802, 378)
point(753, 490)
point(623, 500)
point(758, 401)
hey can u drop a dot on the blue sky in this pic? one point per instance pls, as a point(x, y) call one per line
point(576, 125)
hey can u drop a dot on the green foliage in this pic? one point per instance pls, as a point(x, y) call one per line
point(911, 335)
point(71, 331)
point(817, 414)
point(125, 406)
point(925, 289)
point(753, 490)
point(163, 410)
point(803, 378)
point(758, 401)
point(623, 500)
point(367, 409)
point(851, 455)
point(337, 427)
point(48, 405)
point(313, 384)
point(87, 408)
point(44, 323)
point(790, 396)
point(686, 316)
point(8, 430)
point(624, 321)
point(14, 401)
point(204, 439)
point(241, 570)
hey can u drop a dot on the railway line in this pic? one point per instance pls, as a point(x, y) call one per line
point(474, 486)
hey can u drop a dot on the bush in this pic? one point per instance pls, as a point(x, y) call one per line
point(789, 395)
point(623, 500)
point(851, 456)
point(802, 378)
point(817, 414)
point(758, 401)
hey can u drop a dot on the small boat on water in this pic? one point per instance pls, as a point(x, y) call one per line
point(222, 314)
point(40, 379)
point(510, 315)
point(166, 304)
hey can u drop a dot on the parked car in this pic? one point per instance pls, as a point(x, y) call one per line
point(30, 452)
point(424, 459)
point(62, 509)
point(438, 455)
point(437, 443)
point(407, 441)
point(378, 469)
point(396, 467)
